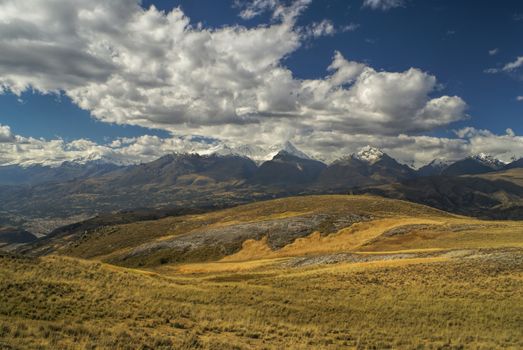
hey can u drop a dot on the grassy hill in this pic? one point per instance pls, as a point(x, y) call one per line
point(281, 228)
point(496, 195)
point(193, 181)
point(439, 302)
point(324, 272)
point(210, 236)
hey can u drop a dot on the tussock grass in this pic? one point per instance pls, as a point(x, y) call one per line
point(469, 296)
point(109, 242)
point(65, 303)
point(347, 239)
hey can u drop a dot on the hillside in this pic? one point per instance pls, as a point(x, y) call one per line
point(224, 180)
point(10, 237)
point(496, 195)
point(279, 228)
point(325, 272)
point(286, 169)
point(369, 166)
point(38, 174)
point(512, 175)
point(186, 180)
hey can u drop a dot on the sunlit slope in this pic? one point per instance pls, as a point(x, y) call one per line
point(443, 302)
point(289, 227)
point(395, 235)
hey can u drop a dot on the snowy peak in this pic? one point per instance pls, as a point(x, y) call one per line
point(440, 163)
point(257, 153)
point(369, 154)
point(488, 160)
point(436, 167)
point(289, 148)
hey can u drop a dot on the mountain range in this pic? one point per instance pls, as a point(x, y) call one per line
point(369, 162)
point(42, 193)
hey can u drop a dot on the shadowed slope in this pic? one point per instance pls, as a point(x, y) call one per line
point(272, 229)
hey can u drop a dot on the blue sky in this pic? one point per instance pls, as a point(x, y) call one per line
point(456, 42)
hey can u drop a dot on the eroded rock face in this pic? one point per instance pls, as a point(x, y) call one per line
point(217, 242)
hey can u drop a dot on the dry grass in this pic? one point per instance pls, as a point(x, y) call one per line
point(111, 241)
point(453, 234)
point(347, 239)
point(472, 298)
point(64, 303)
point(413, 234)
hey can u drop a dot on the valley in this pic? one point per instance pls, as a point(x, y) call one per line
point(222, 252)
point(261, 174)
point(475, 186)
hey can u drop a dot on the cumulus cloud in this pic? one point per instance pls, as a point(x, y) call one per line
point(129, 65)
point(383, 5)
point(5, 134)
point(26, 151)
point(415, 150)
point(493, 52)
point(418, 150)
point(505, 146)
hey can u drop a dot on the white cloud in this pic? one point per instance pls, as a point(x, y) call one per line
point(349, 27)
point(513, 65)
point(519, 98)
point(5, 134)
point(323, 28)
point(28, 150)
point(493, 52)
point(326, 28)
point(325, 145)
point(507, 68)
point(383, 5)
point(252, 8)
point(504, 146)
point(418, 150)
point(128, 65)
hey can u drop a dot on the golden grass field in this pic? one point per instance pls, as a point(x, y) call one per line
point(412, 277)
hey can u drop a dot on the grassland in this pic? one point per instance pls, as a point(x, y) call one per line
point(373, 274)
point(431, 303)
point(331, 223)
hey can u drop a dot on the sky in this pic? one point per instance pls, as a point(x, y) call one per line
point(129, 81)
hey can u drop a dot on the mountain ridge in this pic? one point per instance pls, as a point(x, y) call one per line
point(195, 180)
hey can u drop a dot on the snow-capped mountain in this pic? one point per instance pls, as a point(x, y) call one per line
point(291, 149)
point(434, 168)
point(489, 161)
point(258, 154)
point(289, 167)
point(368, 166)
point(369, 154)
point(476, 164)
